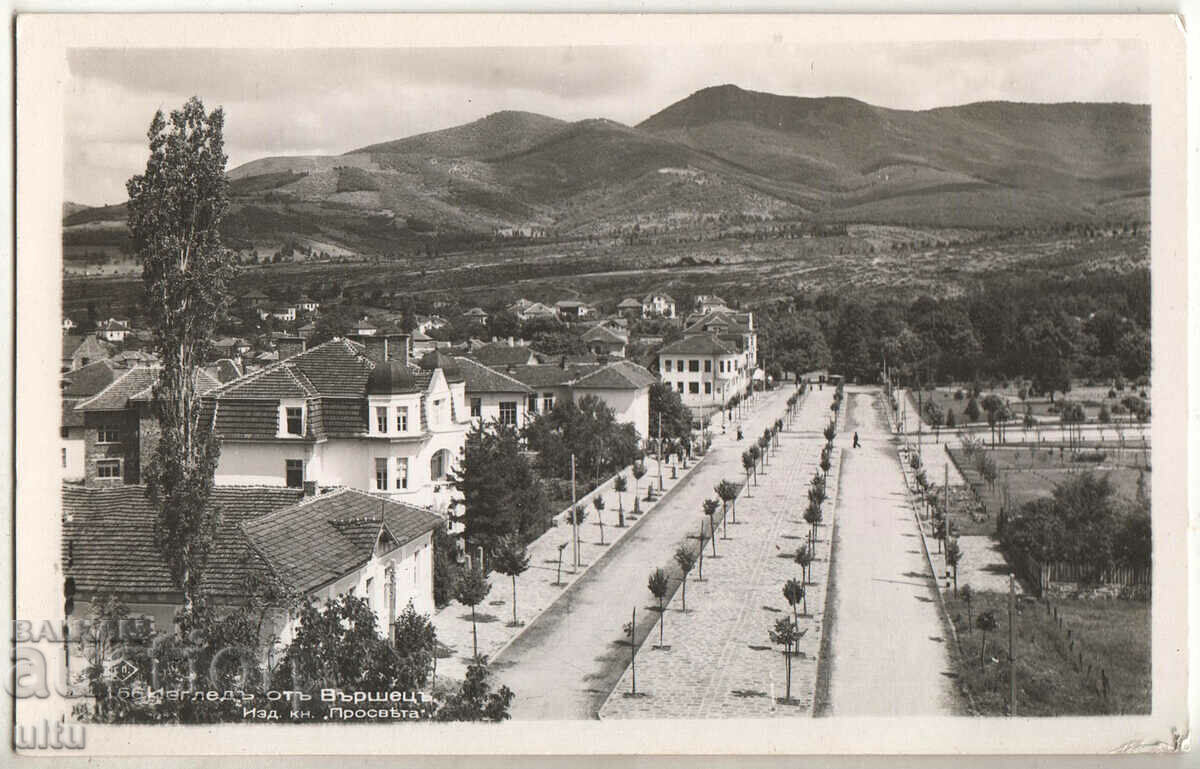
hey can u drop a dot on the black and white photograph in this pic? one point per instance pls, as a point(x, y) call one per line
point(785, 379)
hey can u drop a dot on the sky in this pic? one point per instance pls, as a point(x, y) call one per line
point(324, 101)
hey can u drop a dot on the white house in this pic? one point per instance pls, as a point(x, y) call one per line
point(67, 325)
point(495, 395)
point(623, 385)
point(706, 372)
point(308, 304)
point(658, 306)
point(318, 545)
point(113, 330)
point(345, 413)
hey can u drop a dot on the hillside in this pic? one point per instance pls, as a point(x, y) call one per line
point(722, 155)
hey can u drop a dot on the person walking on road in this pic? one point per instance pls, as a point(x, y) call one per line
point(856, 443)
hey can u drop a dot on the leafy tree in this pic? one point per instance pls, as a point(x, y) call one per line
point(804, 558)
point(727, 491)
point(951, 420)
point(598, 503)
point(710, 509)
point(785, 634)
point(339, 646)
point(793, 593)
point(175, 210)
point(972, 410)
point(470, 591)
point(475, 700)
point(749, 464)
point(658, 584)
point(511, 558)
point(685, 557)
point(953, 557)
point(587, 430)
point(415, 638)
point(639, 471)
point(445, 566)
point(676, 418)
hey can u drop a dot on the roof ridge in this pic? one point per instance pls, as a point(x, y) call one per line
point(80, 406)
point(254, 376)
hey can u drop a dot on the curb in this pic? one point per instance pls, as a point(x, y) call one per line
point(583, 575)
point(820, 698)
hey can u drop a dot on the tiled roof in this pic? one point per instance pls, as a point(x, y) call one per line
point(696, 344)
point(475, 312)
point(326, 537)
point(108, 539)
point(537, 308)
point(565, 303)
point(502, 354)
point(89, 347)
point(604, 334)
point(86, 381)
point(482, 379)
point(651, 297)
point(224, 370)
point(122, 390)
point(621, 375)
point(542, 375)
point(70, 343)
point(630, 303)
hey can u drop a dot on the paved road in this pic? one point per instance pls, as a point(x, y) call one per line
point(564, 665)
point(889, 657)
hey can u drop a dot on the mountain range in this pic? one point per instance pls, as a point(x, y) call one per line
point(722, 154)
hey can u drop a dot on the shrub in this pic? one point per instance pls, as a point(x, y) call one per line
point(959, 395)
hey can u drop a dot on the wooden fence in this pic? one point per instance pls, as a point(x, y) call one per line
point(1040, 575)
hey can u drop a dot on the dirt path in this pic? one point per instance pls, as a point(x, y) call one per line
point(888, 653)
point(565, 664)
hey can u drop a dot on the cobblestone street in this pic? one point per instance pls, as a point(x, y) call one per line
point(721, 662)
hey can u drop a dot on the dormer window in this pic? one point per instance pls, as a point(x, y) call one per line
point(291, 419)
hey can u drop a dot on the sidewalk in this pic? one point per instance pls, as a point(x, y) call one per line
point(888, 653)
point(564, 664)
point(721, 662)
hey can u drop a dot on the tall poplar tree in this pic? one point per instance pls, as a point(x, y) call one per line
point(175, 208)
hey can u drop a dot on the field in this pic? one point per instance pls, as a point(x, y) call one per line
point(1113, 636)
point(1092, 397)
point(754, 266)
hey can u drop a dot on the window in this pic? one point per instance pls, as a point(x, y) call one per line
point(680, 386)
point(64, 457)
point(531, 406)
point(108, 434)
point(436, 414)
point(294, 473)
point(508, 412)
point(707, 366)
point(381, 474)
point(401, 472)
point(679, 365)
point(439, 464)
point(381, 419)
point(708, 388)
point(476, 408)
point(295, 420)
point(64, 432)
point(693, 365)
point(667, 364)
point(402, 419)
point(694, 388)
point(369, 591)
point(547, 401)
point(108, 468)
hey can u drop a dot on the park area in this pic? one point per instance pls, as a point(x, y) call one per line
point(1117, 403)
point(1073, 656)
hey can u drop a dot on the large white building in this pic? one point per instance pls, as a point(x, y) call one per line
point(714, 361)
point(345, 413)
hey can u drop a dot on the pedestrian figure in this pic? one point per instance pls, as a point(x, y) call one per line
point(739, 432)
point(856, 444)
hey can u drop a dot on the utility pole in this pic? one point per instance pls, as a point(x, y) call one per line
point(1012, 656)
point(574, 517)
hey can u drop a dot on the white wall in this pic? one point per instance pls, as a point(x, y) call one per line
point(73, 470)
point(490, 406)
point(631, 406)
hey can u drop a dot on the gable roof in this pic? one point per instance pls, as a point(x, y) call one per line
point(320, 539)
point(603, 333)
point(621, 375)
point(137, 384)
point(630, 303)
point(567, 303)
point(483, 379)
point(696, 344)
point(108, 539)
point(86, 381)
point(537, 308)
point(651, 297)
point(224, 370)
point(89, 347)
point(502, 354)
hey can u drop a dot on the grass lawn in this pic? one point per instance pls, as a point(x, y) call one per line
point(1114, 636)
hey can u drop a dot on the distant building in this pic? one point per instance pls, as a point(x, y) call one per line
point(113, 330)
point(603, 340)
point(308, 304)
point(78, 352)
point(493, 394)
point(623, 385)
point(706, 303)
point(536, 311)
point(476, 315)
point(658, 306)
point(67, 325)
point(422, 342)
point(630, 308)
point(254, 298)
point(715, 360)
point(365, 327)
point(571, 310)
point(504, 353)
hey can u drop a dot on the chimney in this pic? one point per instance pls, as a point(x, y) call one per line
point(287, 346)
point(376, 347)
point(310, 489)
point(562, 363)
point(396, 347)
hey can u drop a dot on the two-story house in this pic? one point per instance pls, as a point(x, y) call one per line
point(495, 395)
point(705, 370)
point(622, 385)
point(345, 413)
point(658, 306)
point(113, 330)
point(571, 310)
point(605, 340)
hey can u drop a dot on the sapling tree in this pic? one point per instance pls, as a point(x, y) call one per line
point(804, 559)
point(511, 558)
point(967, 595)
point(785, 634)
point(727, 491)
point(598, 503)
point(953, 557)
point(793, 592)
point(685, 557)
point(710, 509)
point(748, 464)
point(620, 485)
point(639, 472)
point(472, 588)
point(658, 584)
point(986, 622)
